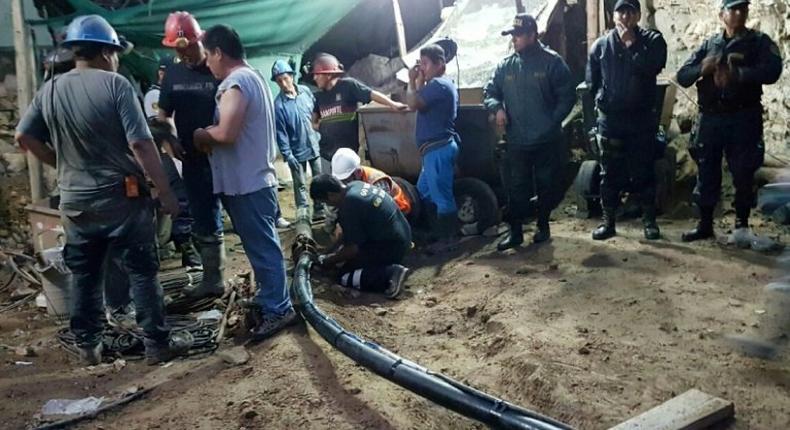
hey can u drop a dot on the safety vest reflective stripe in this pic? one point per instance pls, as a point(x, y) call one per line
point(373, 176)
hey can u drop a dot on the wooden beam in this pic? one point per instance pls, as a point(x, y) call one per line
point(592, 22)
point(24, 53)
point(400, 30)
point(692, 410)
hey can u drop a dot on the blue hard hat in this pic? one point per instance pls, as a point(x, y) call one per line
point(92, 28)
point(279, 67)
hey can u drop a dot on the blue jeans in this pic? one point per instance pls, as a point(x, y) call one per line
point(436, 178)
point(123, 227)
point(205, 206)
point(300, 183)
point(253, 216)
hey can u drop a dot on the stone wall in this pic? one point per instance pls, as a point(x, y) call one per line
point(686, 23)
point(14, 184)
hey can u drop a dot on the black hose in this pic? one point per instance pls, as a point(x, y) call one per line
point(433, 386)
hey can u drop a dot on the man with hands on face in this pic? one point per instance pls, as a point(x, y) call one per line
point(435, 98)
point(621, 74)
point(729, 70)
point(241, 152)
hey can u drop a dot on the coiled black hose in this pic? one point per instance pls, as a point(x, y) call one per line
point(128, 343)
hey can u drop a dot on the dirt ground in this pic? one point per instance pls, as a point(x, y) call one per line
point(588, 333)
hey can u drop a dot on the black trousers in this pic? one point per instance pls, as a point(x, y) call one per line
point(738, 137)
point(627, 164)
point(534, 171)
point(372, 267)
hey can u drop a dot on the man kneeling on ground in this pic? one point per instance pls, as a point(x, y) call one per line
point(376, 236)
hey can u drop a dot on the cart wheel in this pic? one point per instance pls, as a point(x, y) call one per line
point(414, 199)
point(586, 189)
point(478, 208)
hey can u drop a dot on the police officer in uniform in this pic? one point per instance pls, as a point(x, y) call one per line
point(729, 70)
point(530, 93)
point(621, 74)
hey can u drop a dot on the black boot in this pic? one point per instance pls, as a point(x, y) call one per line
point(513, 239)
point(544, 232)
point(190, 258)
point(606, 229)
point(742, 216)
point(649, 222)
point(704, 228)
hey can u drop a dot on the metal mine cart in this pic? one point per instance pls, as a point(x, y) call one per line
point(586, 186)
point(391, 147)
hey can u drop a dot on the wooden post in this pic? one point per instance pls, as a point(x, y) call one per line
point(592, 22)
point(649, 15)
point(399, 29)
point(26, 88)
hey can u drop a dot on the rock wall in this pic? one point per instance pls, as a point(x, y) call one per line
point(14, 187)
point(686, 23)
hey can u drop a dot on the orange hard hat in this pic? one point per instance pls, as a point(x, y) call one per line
point(181, 30)
point(327, 64)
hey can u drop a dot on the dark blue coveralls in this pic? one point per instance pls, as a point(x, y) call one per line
point(623, 82)
point(730, 121)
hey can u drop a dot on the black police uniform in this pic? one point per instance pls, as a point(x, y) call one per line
point(730, 121)
point(623, 81)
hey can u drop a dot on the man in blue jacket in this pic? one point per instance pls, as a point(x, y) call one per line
point(296, 138)
point(531, 92)
point(729, 70)
point(621, 74)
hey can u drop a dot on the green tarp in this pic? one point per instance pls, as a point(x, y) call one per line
point(269, 29)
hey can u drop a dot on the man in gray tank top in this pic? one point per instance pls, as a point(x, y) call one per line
point(241, 148)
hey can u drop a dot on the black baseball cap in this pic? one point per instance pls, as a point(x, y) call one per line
point(522, 23)
point(726, 4)
point(634, 4)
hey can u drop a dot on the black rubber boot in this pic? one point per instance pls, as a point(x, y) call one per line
point(544, 232)
point(513, 239)
point(190, 258)
point(651, 229)
point(213, 258)
point(742, 216)
point(704, 228)
point(606, 229)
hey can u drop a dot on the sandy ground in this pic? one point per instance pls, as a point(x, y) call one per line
point(588, 333)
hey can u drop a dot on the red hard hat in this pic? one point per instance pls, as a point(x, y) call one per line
point(181, 30)
point(327, 64)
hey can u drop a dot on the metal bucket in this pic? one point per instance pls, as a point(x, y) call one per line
point(56, 282)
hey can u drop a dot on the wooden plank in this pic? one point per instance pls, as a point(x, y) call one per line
point(692, 410)
point(24, 53)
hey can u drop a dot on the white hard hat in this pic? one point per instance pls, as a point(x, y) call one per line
point(344, 163)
